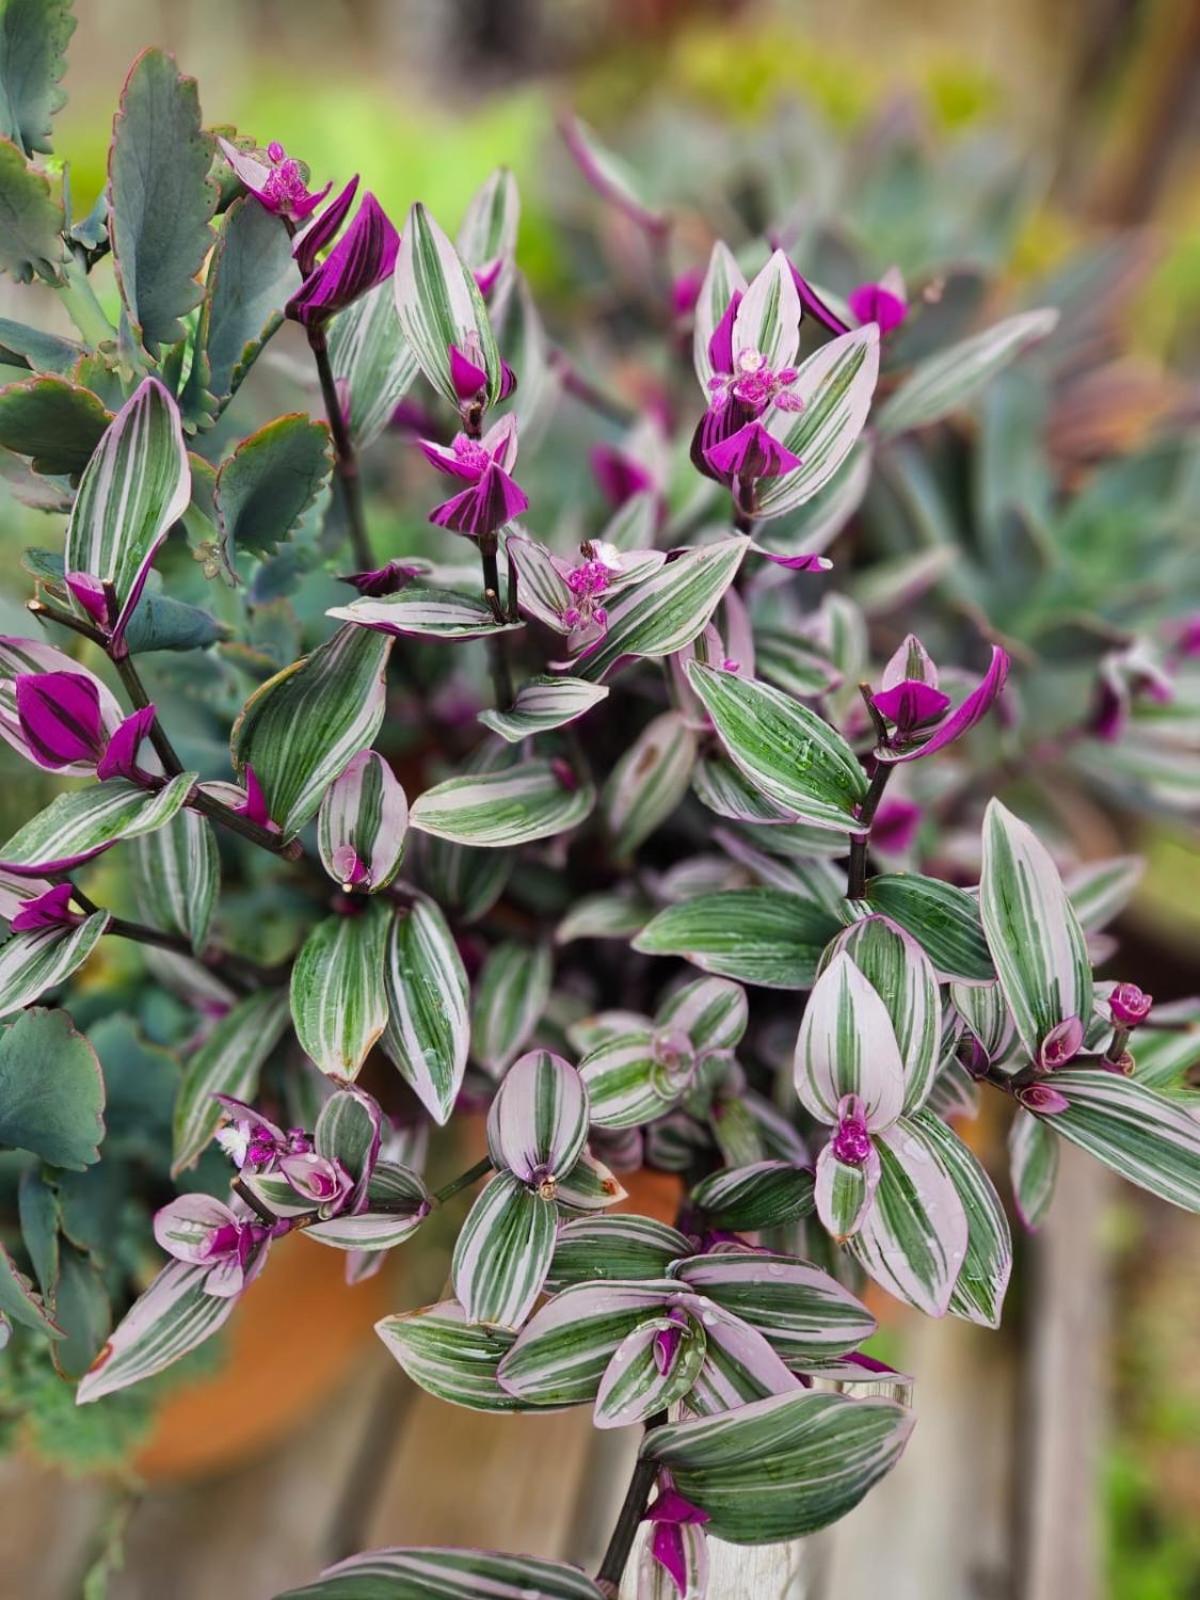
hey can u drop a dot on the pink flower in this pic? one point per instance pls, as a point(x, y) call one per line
point(276, 183)
point(203, 1231)
point(1061, 1044)
point(493, 498)
point(1128, 1005)
point(883, 303)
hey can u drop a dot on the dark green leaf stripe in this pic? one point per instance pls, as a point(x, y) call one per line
point(765, 1194)
point(228, 1062)
point(804, 1314)
point(942, 918)
point(617, 1249)
point(759, 936)
point(560, 1357)
point(428, 1033)
point(339, 1002)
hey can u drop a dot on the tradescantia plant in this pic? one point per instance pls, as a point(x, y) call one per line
point(632, 828)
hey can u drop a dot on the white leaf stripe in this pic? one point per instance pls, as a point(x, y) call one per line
point(439, 304)
point(300, 729)
point(451, 1358)
point(668, 610)
point(135, 487)
point(1032, 931)
point(228, 1062)
point(503, 1252)
point(427, 1574)
point(510, 997)
point(901, 974)
point(981, 1284)
point(758, 936)
point(617, 1249)
point(79, 825)
point(836, 384)
point(368, 353)
point(544, 703)
point(1144, 1137)
point(560, 1356)
point(366, 809)
point(1033, 1167)
point(803, 1313)
point(31, 963)
point(512, 806)
point(338, 1000)
point(420, 613)
point(784, 749)
point(173, 1316)
point(648, 781)
point(177, 870)
point(947, 380)
point(765, 1194)
point(427, 1034)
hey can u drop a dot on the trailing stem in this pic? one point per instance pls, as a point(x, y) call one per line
point(633, 1509)
point(856, 876)
point(345, 459)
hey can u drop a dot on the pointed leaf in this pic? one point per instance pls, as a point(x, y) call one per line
point(804, 1314)
point(561, 1354)
point(31, 963)
point(901, 974)
point(427, 1033)
point(984, 1010)
point(722, 278)
point(648, 781)
point(759, 936)
point(979, 1290)
point(177, 873)
point(451, 1358)
point(510, 997)
point(370, 358)
point(847, 1045)
point(422, 1574)
point(79, 825)
point(625, 1081)
point(766, 1194)
point(942, 918)
point(946, 381)
point(439, 304)
point(418, 613)
point(173, 1316)
point(544, 703)
point(621, 1249)
point(711, 1011)
point(362, 824)
point(511, 806)
point(339, 1007)
point(503, 1252)
point(228, 1062)
point(635, 1387)
point(538, 1122)
point(1033, 1167)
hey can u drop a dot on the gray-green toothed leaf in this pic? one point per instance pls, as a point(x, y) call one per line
point(268, 483)
point(228, 1062)
point(339, 1004)
point(57, 424)
point(428, 1032)
point(512, 806)
point(51, 1090)
point(758, 936)
point(31, 221)
point(33, 45)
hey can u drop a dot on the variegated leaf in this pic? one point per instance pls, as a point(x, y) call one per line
point(783, 1466)
point(428, 1574)
point(1032, 931)
point(804, 1314)
point(135, 487)
point(758, 936)
point(712, 1012)
point(648, 781)
point(77, 826)
point(942, 918)
point(396, 1204)
point(981, 1283)
point(847, 1045)
point(451, 1358)
point(605, 916)
point(176, 876)
point(510, 997)
point(172, 1317)
point(666, 611)
point(428, 1033)
point(836, 384)
point(560, 1356)
point(620, 1249)
point(767, 321)
point(1100, 890)
point(946, 381)
point(538, 1123)
point(301, 728)
point(362, 824)
point(544, 703)
point(228, 1062)
point(512, 806)
point(588, 1186)
point(721, 280)
point(418, 613)
point(637, 1384)
point(503, 1252)
point(785, 750)
point(624, 1080)
point(902, 975)
point(439, 305)
point(31, 963)
point(487, 237)
point(913, 1241)
point(339, 1004)
point(375, 366)
point(1033, 1166)
point(985, 1011)
point(766, 1194)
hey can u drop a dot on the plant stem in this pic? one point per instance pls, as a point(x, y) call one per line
point(633, 1509)
point(856, 876)
point(464, 1180)
point(225, 966)
point(489, 543)
point(81, 305)
point(345, 462)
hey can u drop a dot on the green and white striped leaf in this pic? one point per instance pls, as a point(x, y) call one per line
point(428, 1033)
point(417, 613)
point(783, 1466)
point(1033, 1167)
point(512, 806)
point(176, 875)
point(510, 997)
point(942, 918)
point(368, 353)
point(1100, 890)
point(544, 703)
point(427, 1574)
point(985, 1011)
point(720, 786)
point(784, 750)
point(1031, 928)
point(300, 730)
point(767, 319)
point(913, 1240)
point(228, 1062)
point(950, 379)
point(560, 1356)
point(765, 1194)
point(173, 1316)
point(439, 304)
point(589, 1186)
point(623, 1080)
point(758, 936)
point(836, 384)
point(793, 664)
point(487, 237)
point(803, 1313)
point(363, 818)
point(31, 963)
point(605, 916)
point(396, 1205)
point(135, 486)
point(1144, 1137)
point(503, 1252)
point(339, 1004)
point(712, 1012)
point(76, 826)
point(902, 975)
point(451, 1358)
point(538, 1123)
point(666, 611)
point(847, 1045)
point(620, 1249)
point(634, 1387)
point(981, 1284)
point(648, 781)
point(722, 278)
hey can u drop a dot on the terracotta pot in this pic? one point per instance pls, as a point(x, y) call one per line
point(289, 1343)
point(652, 1194)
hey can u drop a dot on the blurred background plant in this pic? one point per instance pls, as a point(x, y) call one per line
point(1002, 157)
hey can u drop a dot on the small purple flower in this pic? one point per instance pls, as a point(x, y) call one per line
point(1062, 1044)
point(670, 1514)
point(1126, 677)
point(318, 1179)
point(364, 256)
point(494, 498)
point(322, 230)
point(52, 909)
point(852, 1138)
point(884, 303)
point(1127, 1004)
point(1040, 1097)
point(276, 183)
point(252, 1141)
point(203, 1231)
point(59, 715)
point(618, 474)
point(749, 454)
point(388, 579)
point(920, 713)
